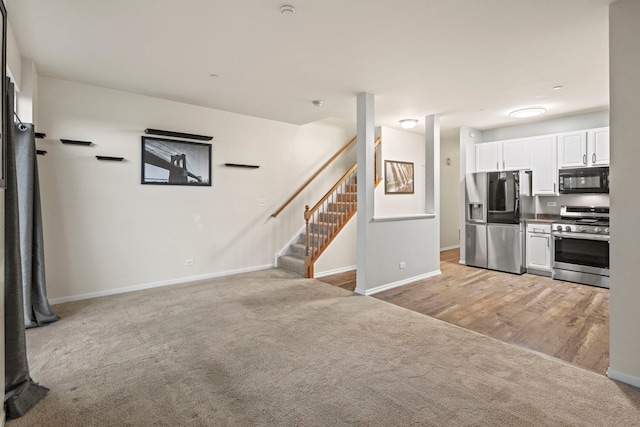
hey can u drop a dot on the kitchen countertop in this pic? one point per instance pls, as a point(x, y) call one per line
point(543, 219)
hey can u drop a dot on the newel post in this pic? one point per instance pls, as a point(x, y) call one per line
point(308, 266)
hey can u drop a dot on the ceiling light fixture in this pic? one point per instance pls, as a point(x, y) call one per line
point(316, 102)
point(408, 123)
point(287, 10)
point(557, 88)
point(527, 112)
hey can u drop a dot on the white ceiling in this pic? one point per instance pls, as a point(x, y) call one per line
point(471, 61)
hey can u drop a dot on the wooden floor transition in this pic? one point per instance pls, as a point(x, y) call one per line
point(565, 320)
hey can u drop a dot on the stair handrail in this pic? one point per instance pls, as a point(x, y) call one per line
point(376, 180)
point(314, 176)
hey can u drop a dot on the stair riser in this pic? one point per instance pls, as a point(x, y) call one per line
point(291, 265)
point(315, 240)
point(331, 217)
point(347, 197)
point(321, 228)
point(339, 207)
point(297, 250)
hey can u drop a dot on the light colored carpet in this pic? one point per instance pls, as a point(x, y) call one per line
point(269, 349)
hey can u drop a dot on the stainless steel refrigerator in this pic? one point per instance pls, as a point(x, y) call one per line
point(497, 203)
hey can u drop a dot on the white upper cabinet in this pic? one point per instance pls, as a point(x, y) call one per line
point(489, 156)
point(544, 166)
point(572, 149)
point(503, 155)
point(598, 146)
point(516, 154)
point(584, 148)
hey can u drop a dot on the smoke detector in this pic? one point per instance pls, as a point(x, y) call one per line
point(287, 10)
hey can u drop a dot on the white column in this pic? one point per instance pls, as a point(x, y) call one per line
point(27, 97)
point(432, 160)
point(365, 141)
point(624, 315)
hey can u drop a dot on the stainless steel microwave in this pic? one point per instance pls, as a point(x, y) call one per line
point(584, 180)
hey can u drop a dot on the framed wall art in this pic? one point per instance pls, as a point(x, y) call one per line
point(173, 162)
point(398, 177)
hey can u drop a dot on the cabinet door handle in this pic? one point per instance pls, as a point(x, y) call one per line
point(593, 159)
point(498, 165)
point(503, 165)
point(584, 159)
point(554, 187)
point(548, 240)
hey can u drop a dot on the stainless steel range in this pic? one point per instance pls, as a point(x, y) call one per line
point(581, 245)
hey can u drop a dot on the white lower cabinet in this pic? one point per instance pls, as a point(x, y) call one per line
point(539, 247)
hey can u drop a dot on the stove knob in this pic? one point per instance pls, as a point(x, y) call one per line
point(597, 229)
point(559, 227)
point(582, 228)
point(567, 228)
point(606, 230)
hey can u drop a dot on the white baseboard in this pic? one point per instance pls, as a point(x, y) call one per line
point(622, 377)
point(335, 271)
point(463, 262)
point(447, 248)
point(397, 284)
point(157, 284)
point(2, 418)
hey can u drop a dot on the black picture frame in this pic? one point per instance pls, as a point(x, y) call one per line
point(174, 162)
point(398, 177)
point(4, 111)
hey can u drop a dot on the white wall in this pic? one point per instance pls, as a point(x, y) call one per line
point(449, 193)
point(400, 146)
point(105, 232)
point(571, 123)
point(340, 255)
point(624, 51)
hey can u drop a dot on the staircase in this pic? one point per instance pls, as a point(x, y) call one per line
point(322, 226)
point(327, 218)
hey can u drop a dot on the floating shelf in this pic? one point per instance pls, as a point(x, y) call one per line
point(41, 152)
point(238, 165)
point(177, 134)
point(40, 135)
point(74, 142)
point(115, 159)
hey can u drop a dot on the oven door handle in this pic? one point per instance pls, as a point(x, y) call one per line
point(558, 235)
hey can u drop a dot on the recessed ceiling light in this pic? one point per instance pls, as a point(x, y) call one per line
point(527, 112)
point(287, 10)
point(557, 88)
point(214, 75)
point(408, 123)
point(316, 102)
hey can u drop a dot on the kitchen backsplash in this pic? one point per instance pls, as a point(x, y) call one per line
point(542, 202)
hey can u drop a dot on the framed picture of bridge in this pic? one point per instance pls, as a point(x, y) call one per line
point(398, 177)
point(173, 162)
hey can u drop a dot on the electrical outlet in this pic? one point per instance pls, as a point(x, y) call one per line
point(262, 202)
point(188, 261)
point(403, 265)
point(551, 204)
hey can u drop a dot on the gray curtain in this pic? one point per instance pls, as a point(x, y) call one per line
point(26, 302)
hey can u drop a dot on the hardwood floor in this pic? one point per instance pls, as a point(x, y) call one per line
point(565, 320)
